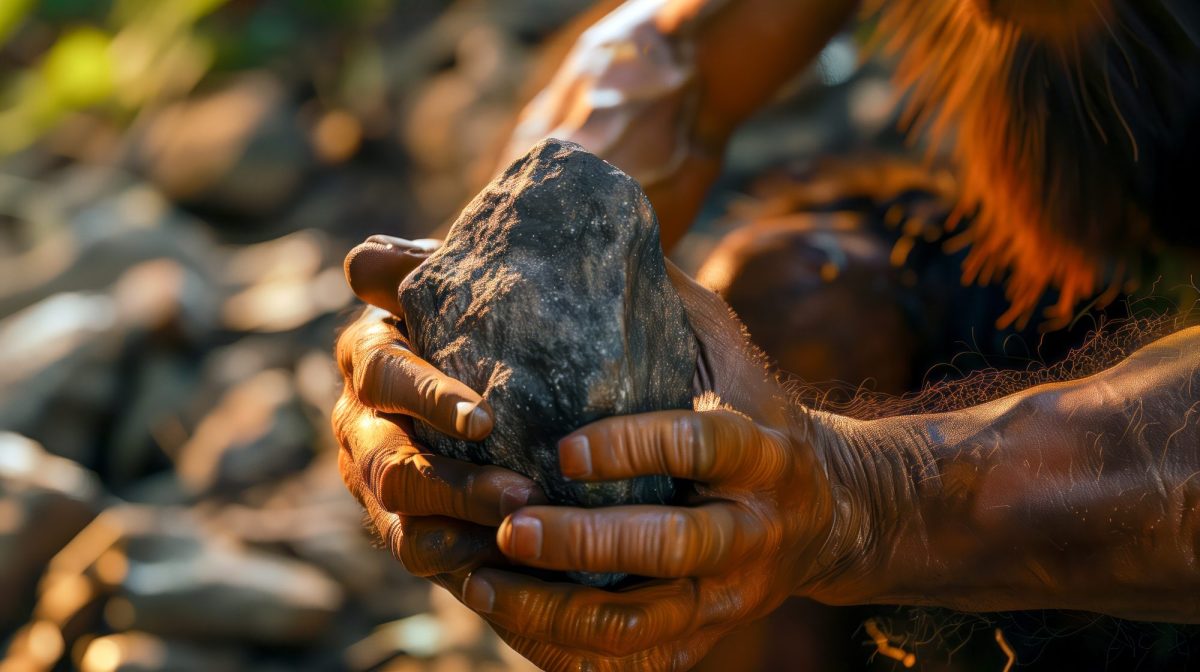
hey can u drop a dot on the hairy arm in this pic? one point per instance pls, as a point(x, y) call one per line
point(1076, 495)
point(657, 86)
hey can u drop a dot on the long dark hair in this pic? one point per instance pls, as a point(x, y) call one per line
point(1074, 128)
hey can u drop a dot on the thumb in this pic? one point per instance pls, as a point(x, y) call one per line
point(376, 268)
point(735, 370)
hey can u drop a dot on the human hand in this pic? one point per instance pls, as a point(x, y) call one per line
point(437, 515)
point(762, 522)
point(629, 92)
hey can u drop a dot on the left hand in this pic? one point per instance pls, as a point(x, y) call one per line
point(760, 527)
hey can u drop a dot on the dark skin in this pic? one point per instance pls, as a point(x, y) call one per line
point(1078, 495)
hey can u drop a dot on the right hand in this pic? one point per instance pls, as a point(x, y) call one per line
point(438, 516)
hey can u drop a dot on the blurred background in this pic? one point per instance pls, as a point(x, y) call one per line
point(179, 182)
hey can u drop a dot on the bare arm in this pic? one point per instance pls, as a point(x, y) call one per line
point(657, 87)
point(1077, 495)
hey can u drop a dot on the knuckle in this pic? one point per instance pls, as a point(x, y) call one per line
point(383, 474)
point(694, 437)
point(584, 547)
point(748, 533)
point(420, 550)
point(371, 379)
point(346, 344)
point(406, 486)
point(683, 540)
point(773, 455)
point(739, 429)
point(621, 629)
point(466, 496)
point(716, 532)
point(739, 437)
point(428, 388)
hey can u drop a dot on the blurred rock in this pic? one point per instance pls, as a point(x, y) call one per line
point(36, 647)
point(165, 297)
point(143, 652)
point(159, 570)
point(449, 631)
point(457, 122)
point(87, 226)
point(257, 432)
point(58, 360)
point(318, 380)
point(311, 516)
point(337, 136)
point(239, 150)
point(75, 354)
point(168, 310)
point(44, 501)
point(285, 282)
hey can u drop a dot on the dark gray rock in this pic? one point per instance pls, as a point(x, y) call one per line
point(550, 297)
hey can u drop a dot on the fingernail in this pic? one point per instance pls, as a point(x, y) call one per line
point(527, 537)
point(470, 419)
point(426, 245)
point(414, 248)
point(512, 499)
point(575, 456)
point(479, 595)
point(390, 241)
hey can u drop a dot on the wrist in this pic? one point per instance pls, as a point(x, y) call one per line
point(870, 468)
point(940, 504)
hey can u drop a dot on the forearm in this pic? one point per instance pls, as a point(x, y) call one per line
point(1077, 495)
point(657, 86)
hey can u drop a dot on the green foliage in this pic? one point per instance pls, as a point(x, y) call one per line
point(113, 57)
point(12, 12)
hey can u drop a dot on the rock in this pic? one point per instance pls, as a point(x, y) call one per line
point(164, 297)
point(256, 433)
point(159, 570)
point(283, 284)
point(550, 297)
point(312, 517)
point(88, 227)
point(143, 652)
point(44, 501)
point(239, 150)
point(58, 360)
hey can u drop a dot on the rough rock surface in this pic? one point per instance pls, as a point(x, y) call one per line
point(550, 297)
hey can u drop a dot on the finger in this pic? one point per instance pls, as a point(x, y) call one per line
point(389, 377)
point(430, 485)
point(376, 268)
point(667, 657)
point(381, 461)
point(583, 618)
point(432, 545)
point(429, 546)
point(714, 447)
point(655, 541)
point(375, 325)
